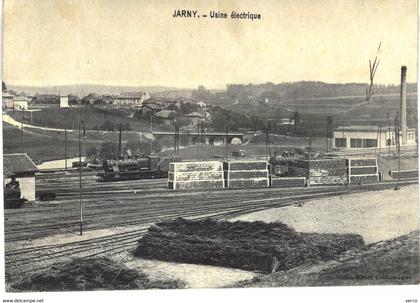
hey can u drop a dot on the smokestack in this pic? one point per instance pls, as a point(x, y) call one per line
point(403, 105)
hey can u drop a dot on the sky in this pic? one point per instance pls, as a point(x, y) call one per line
point(139, 43)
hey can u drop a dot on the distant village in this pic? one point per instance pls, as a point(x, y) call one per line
point(184, 111)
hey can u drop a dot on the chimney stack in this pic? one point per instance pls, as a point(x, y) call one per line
point(403, 105)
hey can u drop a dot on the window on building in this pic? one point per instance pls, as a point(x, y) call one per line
point(355, 143)
point(370, 143)
point(388, 142)
point(340, 142)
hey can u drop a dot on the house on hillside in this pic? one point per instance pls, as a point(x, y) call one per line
point(23, 169)
point(7, 100)
point(165, 116)
point(20, 103)
point(132, 99)
point(150, 108)
point(195, 117)
point(202, 104)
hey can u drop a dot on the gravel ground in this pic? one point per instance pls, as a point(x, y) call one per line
point(391, 262)
point(376, 216)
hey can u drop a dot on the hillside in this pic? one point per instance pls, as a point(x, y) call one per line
point(86, 89)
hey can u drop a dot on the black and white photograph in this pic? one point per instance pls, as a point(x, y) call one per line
point(170, 148)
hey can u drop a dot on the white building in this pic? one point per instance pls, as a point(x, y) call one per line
point(354, 137)
point(134, 99)
point(20, 103)
point(23, 169)
point(64, 101)
point(7, 99)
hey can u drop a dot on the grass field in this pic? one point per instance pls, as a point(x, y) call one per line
point(343, 110)
point(38, 147)
point(93, 118)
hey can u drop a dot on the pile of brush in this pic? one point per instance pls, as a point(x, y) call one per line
point(91, 274)
point(257, 245)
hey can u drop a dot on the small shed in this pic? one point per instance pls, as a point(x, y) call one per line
point(21, 167)
point(165, 116)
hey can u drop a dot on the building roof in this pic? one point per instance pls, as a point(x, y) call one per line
point(365, 128)
point(18, 163)
point(130, 95)
point(7, 172)
point(195, 115)
point(153, 106)
point(20, 98)
point(165, 113)
point(7, 95)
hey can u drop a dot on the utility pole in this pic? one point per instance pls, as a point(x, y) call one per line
point(198, 140)
point(226, 137)
point(267, 141)
point(80, 182)
point(329, 129)
point(151, 122)
point(389, 135)
point(397, 133)
point(65, 149)
point(21, 137)
point(176, 138)
point(119, 143)
point(203, 133)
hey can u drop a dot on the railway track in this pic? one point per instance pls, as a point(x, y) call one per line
point(124, 210)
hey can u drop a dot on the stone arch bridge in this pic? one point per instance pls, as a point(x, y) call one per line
point(211, 138)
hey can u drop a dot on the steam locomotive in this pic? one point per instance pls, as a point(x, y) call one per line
point(12, 195)
point(144, 167)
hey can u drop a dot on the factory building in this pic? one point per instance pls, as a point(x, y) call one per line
point(356, 137)
point(345, 137)
point(22, 169)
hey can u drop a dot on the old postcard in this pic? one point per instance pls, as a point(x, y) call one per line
point(228, 145)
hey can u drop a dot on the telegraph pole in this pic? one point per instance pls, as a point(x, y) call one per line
point(151, 122)
point(80, 182)
point(65, 148)
point(119, 143)
point(226, 137)
point(389, 135)
point(267, 141)
point(21, 137)
point(198, 140)
point(203, 133)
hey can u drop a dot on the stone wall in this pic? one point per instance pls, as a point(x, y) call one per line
point(287, 181)
point(196, 175)
point(246, 174)
point(362, 171)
